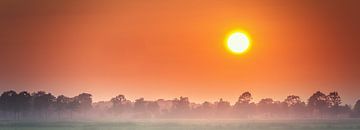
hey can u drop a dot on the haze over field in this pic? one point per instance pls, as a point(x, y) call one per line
point(41, 106)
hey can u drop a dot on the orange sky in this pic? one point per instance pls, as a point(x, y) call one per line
point(165, 49)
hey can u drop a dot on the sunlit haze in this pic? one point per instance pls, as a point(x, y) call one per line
point(166, 49)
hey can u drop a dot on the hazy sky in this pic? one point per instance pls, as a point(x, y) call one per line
point(170, 48)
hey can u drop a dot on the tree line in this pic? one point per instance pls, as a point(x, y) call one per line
point(45, 106)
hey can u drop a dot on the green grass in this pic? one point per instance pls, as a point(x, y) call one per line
point(188, 125)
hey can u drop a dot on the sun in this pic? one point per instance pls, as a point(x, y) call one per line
point(238, 42)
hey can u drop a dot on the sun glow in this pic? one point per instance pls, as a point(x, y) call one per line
point(238, 42)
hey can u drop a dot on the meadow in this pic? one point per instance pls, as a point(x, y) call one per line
point(343, 124)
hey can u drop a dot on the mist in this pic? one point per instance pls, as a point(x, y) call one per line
point(43, 106)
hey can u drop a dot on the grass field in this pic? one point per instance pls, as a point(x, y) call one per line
point(188, 125)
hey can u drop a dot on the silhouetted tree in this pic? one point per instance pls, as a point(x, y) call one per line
point(334, 99)
point(292, 100)
point(243, 107)
point(22, 103)
point(181, 106)
point(295, 105)
point(84, 101)
point(62, 104)
point(344, 110)
point(206, 109)
point(141, 108)
point(245, 98)
point(319, 103)
point(223, 108)
point(140, 105)
point(266, 106)
point(118, 100)
point(280, 109)
point(334, 103)
point(41, 102)
point(8, 102)
point(357, 109)
point(120, 104)
point(74, 105)
point(153, 107)
point(207, 105)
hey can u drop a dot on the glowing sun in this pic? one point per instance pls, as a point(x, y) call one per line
point(238, 42)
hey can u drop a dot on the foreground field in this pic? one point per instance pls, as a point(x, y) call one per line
point(188, 125)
